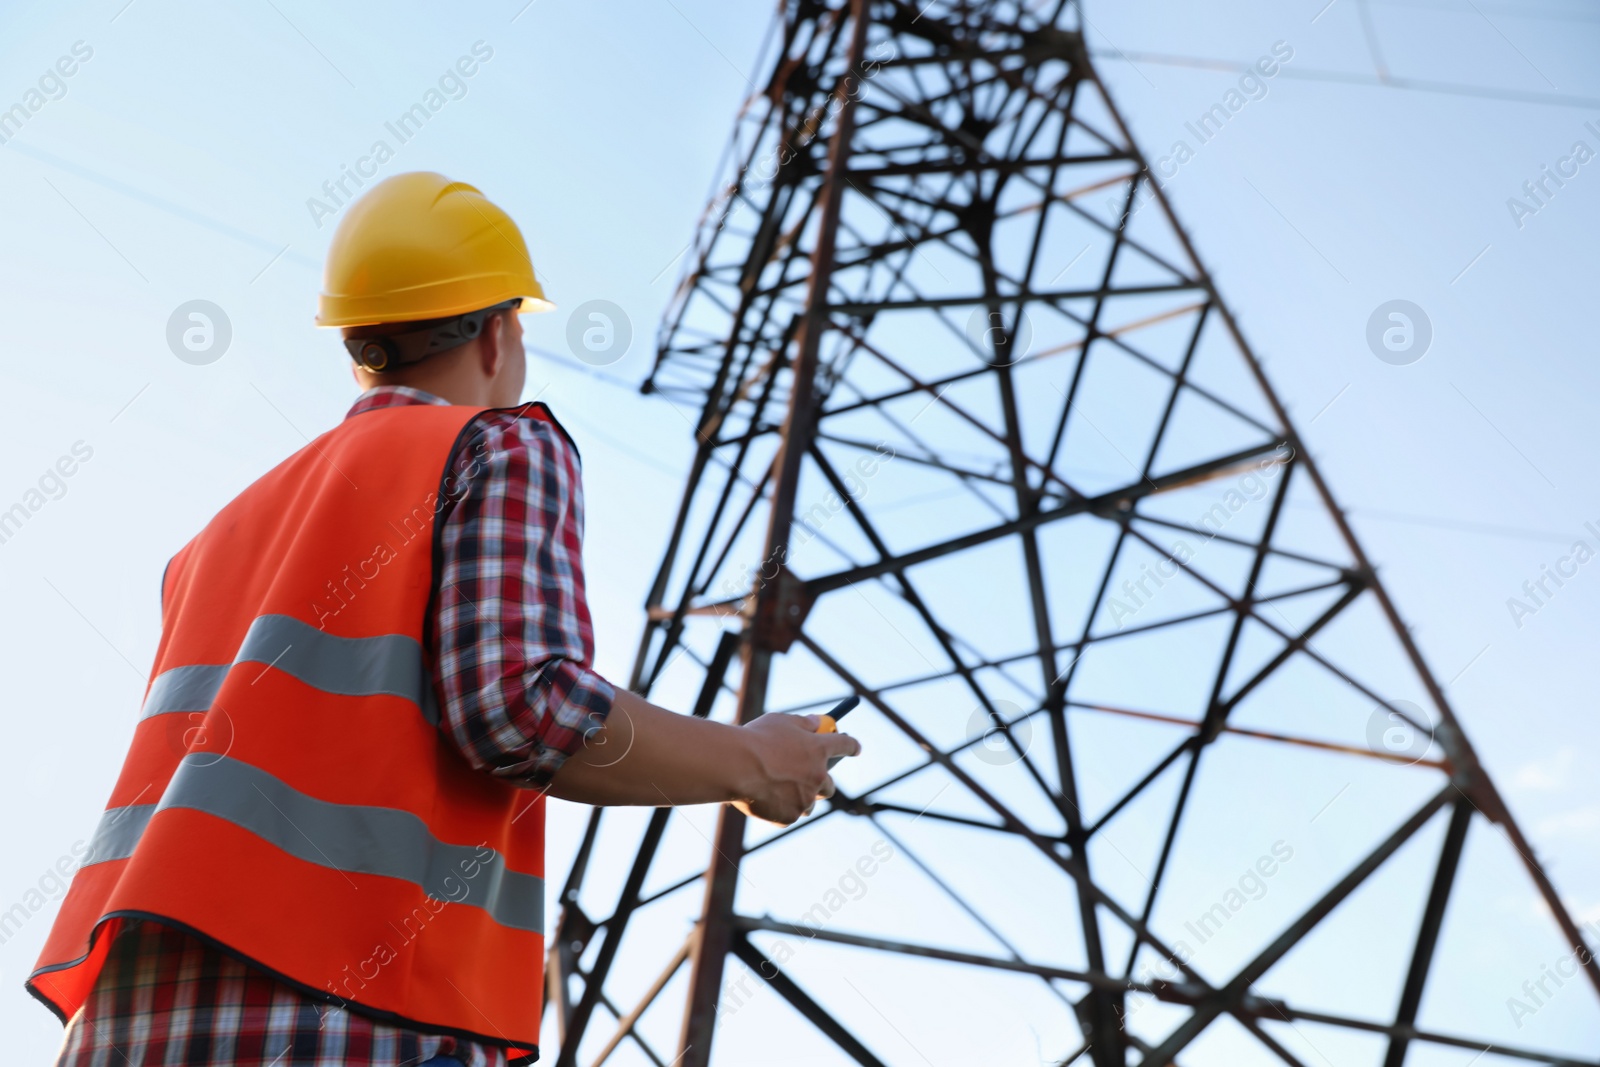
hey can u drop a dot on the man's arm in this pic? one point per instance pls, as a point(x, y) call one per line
point(775, 768)
point(519, 699)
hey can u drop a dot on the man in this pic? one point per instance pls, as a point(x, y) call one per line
point(326, 843)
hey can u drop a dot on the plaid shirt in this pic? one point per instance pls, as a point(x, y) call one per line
point(513, 647)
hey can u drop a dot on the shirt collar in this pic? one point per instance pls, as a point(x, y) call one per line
point(392, 396)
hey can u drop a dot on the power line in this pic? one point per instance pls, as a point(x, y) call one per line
point(1421, 85)
point(1464, 525)
point(1460, 525)
point(583, 368)
point(1516, 11)
point(623, 447)
point(588, 427)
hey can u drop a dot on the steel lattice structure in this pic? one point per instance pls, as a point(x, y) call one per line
point(964, 393)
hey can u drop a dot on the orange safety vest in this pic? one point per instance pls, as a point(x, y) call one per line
point(288, 793)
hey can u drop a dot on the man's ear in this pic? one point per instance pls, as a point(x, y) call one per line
point(491, 352)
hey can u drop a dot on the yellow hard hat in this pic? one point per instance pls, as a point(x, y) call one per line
point(420, 246)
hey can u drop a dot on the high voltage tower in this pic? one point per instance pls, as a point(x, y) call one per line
point(978, 440)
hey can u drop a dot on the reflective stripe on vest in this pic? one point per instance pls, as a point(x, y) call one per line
point(351, 666)
point(289, 793)
point(345, 837)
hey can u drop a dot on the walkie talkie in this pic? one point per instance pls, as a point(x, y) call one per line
point(830, 721)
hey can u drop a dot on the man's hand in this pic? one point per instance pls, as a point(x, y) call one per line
point(793, 766)
point(775, 769)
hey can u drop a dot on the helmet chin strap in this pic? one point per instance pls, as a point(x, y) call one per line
point(393, 351)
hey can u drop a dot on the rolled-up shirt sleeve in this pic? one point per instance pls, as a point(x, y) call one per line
point(513, 637)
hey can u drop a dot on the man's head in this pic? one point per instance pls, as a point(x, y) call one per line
point(426, 278)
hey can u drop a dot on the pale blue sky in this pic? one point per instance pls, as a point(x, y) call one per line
point(178, 162)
